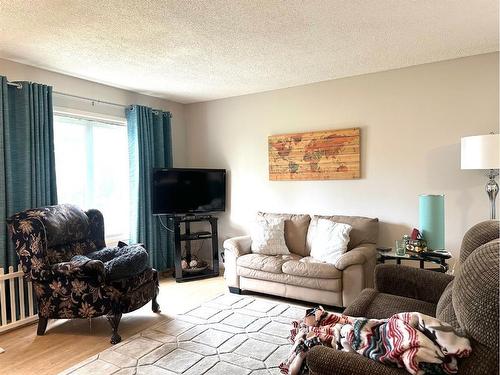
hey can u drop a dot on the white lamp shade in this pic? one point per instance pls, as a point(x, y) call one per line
point(481, 152)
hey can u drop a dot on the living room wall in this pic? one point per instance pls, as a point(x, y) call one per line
point(411, 123)
point(81, 87)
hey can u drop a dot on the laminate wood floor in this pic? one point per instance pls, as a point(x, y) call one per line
point(68, 342)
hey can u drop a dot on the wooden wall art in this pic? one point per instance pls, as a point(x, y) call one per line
point(321, 155)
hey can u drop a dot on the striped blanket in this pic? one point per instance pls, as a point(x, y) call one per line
point(419, 343)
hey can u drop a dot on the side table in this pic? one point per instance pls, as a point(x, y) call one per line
point(435, 257)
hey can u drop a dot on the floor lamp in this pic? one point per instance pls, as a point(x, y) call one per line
point(483, 152)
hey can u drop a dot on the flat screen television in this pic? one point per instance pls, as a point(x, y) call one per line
point(186, 190)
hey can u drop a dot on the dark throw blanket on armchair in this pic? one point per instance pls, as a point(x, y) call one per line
point(119, 262)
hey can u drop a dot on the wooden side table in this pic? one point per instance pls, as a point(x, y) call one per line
point(435, 257)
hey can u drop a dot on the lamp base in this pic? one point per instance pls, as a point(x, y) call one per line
point(492, 191)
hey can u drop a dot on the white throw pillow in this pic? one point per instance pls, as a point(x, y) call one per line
point(330, 240)
point(268, 237)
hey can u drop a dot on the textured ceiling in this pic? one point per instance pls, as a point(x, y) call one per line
point(191, 51)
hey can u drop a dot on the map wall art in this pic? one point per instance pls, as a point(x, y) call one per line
point(321, 155)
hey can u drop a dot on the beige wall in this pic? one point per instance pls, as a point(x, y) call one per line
point(411, 120)
point(75, 86)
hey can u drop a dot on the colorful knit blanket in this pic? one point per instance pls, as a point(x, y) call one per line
point(419, 343)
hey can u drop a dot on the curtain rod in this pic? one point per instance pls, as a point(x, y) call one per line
point(91, 100)
point(20, 86)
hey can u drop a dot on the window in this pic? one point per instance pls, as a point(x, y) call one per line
point(92, 169)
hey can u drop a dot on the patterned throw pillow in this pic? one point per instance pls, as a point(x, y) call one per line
point(268, 237)
point(330, 240)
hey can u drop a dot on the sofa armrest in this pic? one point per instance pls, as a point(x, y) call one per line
point(238, 245)
point(323, 360)
point(234, 248)
point(358, 255)
point(416, 283)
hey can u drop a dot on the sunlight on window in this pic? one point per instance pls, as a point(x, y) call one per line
point(92, 169)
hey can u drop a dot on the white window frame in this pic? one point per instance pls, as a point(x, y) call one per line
point(85, 115)
point(107, 119)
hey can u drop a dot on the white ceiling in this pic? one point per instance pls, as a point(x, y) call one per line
point(197, 50)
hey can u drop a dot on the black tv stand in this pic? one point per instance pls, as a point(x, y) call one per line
point(174, 225)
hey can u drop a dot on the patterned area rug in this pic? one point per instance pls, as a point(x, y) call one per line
point(230, 334)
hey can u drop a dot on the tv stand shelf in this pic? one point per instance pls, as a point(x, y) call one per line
point(175, 224)
point(196, 236)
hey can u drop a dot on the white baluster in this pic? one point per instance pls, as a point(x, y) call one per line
point(2, 298)
point(13, 315)
point(30, 299)
point(21, 293)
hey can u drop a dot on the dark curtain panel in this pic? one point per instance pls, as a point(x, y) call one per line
point(27, 163)
point(150, 146)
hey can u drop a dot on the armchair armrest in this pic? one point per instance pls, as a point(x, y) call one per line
point(323, 360)
point(79, 268)
point(238, 245)
point(416, 283)
point(358, 255)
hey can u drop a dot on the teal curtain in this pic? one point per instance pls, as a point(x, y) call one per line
point(150, 146)
point(27, 162)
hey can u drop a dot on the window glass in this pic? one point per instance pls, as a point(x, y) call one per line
point(92, 169)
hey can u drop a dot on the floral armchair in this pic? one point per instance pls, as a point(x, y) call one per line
point(46, 240)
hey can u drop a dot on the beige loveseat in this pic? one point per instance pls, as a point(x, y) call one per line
point(298, 275)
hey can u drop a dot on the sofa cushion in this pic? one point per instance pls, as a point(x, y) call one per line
point(310, 267)
point(364, 229)
point(330, 240)
point(296, 227)
point(332, 285)
point(266, 263)
point(268, 236)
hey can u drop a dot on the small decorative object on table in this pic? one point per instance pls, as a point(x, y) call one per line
point(415, 243)
point(400, 247)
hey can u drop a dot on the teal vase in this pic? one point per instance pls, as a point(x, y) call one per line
point(431, 220)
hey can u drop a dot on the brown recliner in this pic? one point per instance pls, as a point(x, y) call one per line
point(468, 301)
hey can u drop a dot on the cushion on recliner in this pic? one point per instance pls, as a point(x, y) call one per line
point(120, 262)
point(375, 305)
point(63, 223)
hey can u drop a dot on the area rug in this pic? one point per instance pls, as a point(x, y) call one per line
point(230, 334)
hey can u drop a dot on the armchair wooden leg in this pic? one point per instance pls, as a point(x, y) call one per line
point(42, 325)
point(234, 290)
point(155, 305)
point(114, 321)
